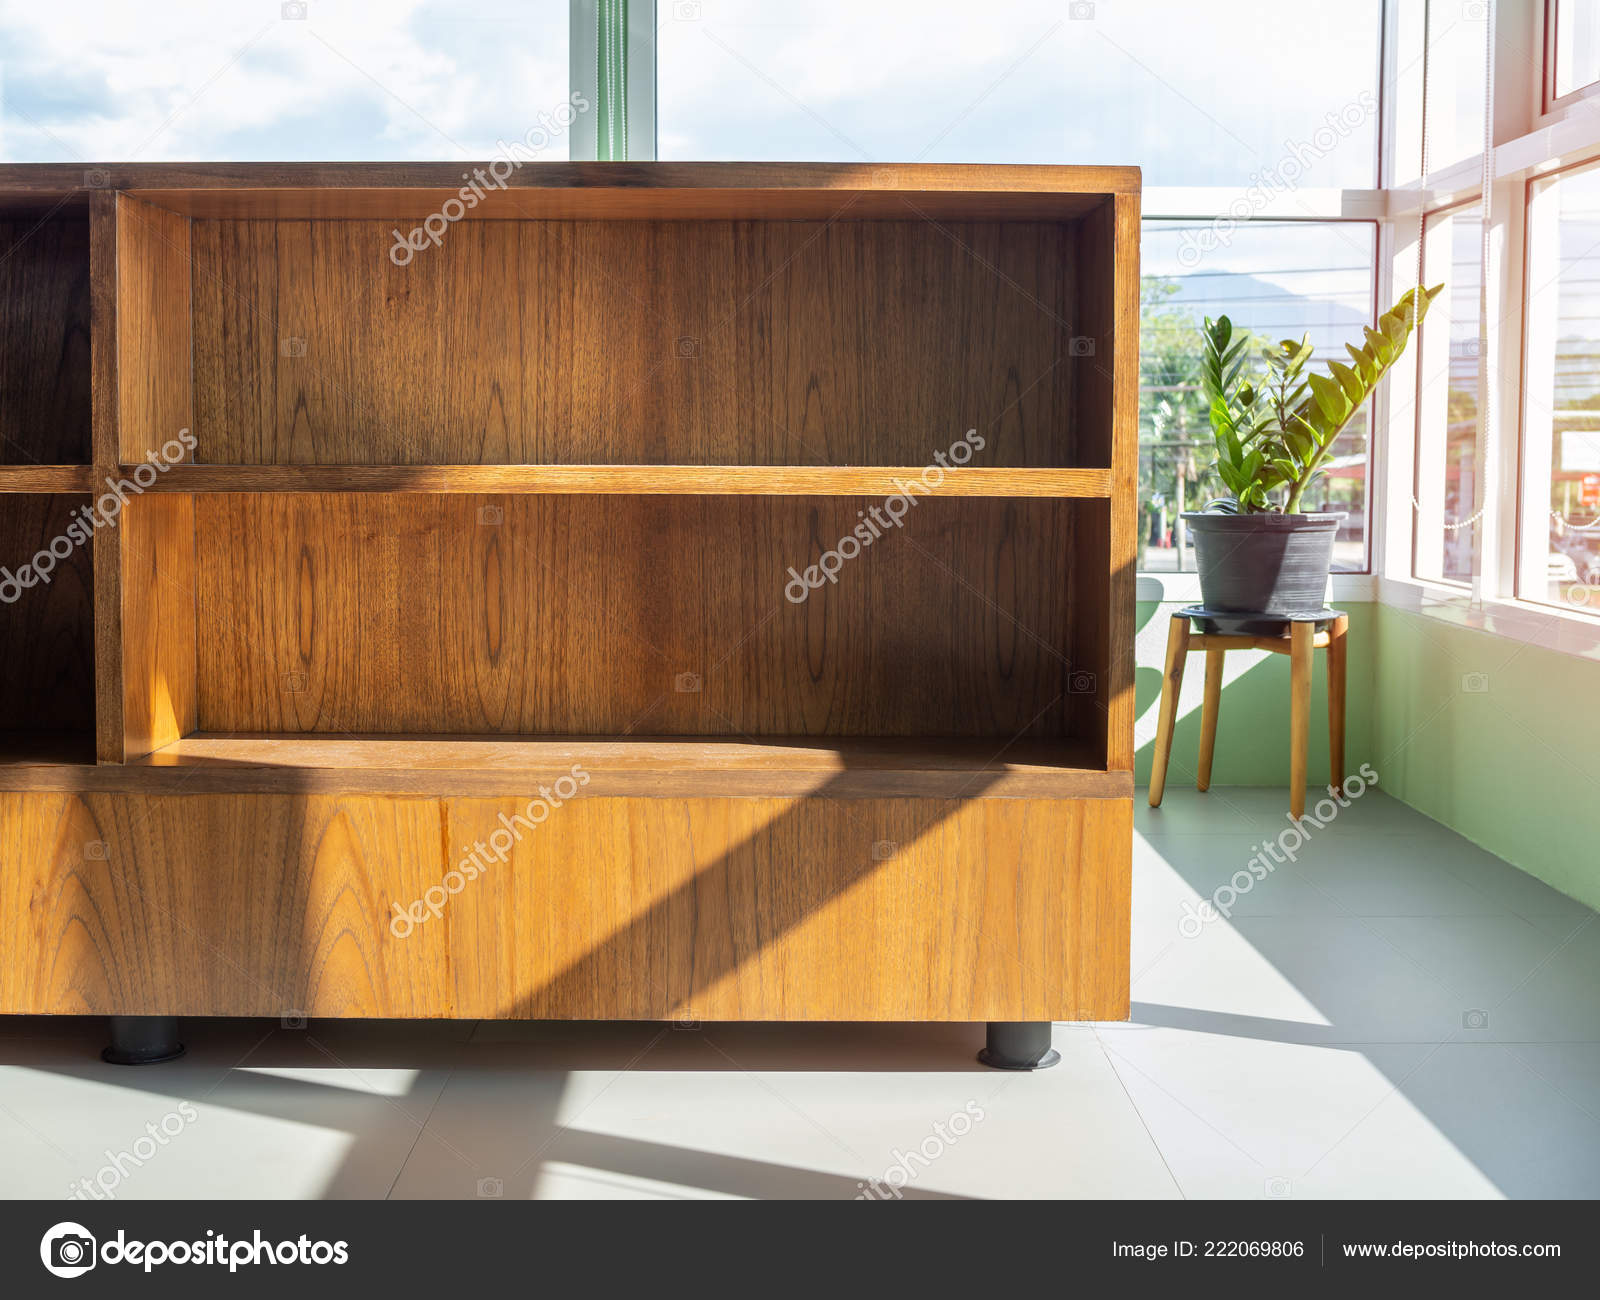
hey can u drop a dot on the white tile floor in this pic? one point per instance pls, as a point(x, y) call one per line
point(1395, 1014)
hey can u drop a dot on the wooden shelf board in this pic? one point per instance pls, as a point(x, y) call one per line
point(643, 480)
point(651, 767)
point(46, 478)
point(570, 190)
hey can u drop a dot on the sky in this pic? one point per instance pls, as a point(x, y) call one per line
point(1194, 96)
point(233, 80)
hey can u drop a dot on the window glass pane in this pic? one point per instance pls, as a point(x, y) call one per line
point(1457, 33)
point(1446, 535)
point(1278, 280)
point(1577, 51)
point(1561, 468)
point(1195, 96)
point(108, 80)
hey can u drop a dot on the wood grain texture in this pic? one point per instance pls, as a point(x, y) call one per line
point(1300, 669)
point(678, 381)
point(637, 185)
point(630, 480)
point(46, 478)
point(638, 616)
point(158, 622)
point(1166, 721)
point(1109, 241)
point(47, 631)
point(666, 768)
point(639, 343)
point(106, 444)
point(412, 206)
point(1210, 707)
point(1338, 633)
point(119, 904)
point(1278, 645)
point(605, 908)
point(44, 340)
point(153, 327)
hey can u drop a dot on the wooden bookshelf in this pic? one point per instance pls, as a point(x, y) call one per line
point(542, 500)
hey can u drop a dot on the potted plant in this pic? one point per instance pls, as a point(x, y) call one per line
point(1256, 552)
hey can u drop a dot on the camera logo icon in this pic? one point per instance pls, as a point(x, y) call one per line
point(68, 1250)
point(687, 347)
point(1081, 683)
point(686, 683)
point(491, 516)
point(96, 851)
point(293, 346)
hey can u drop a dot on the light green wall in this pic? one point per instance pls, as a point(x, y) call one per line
point(1253, 723)
point(1515, 768)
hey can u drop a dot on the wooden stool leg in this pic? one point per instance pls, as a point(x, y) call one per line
point(1171, 684)
point(1301, 636)
point(1208, 716)
point(1336, 664)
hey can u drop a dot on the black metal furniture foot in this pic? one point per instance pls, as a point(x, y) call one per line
point(1019, 1045)
point(143, 1040)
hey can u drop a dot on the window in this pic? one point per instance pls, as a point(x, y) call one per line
point(1574, 46)
point(349, 81)
point(1278, 279)
point(1559, 555)
point(1029, 81)
point(1445, 493)
point(1050, 81)
point(1458, 35)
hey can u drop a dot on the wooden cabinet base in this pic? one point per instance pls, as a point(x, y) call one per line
point(586, 907)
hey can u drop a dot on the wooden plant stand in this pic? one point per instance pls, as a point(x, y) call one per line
point(1298, 638)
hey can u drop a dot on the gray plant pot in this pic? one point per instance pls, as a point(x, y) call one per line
point(1263, 564)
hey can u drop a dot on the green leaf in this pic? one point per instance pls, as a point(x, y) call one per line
point(1349, 381)
point(1331, 401)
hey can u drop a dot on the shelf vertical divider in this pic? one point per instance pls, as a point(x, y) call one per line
point(105, 452)
point(143, 398)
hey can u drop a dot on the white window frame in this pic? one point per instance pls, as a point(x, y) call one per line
point(1531, 139)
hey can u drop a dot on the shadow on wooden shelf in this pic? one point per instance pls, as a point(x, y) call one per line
point(653, 767)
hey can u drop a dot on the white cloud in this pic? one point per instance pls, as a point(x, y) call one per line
point(199, 79)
